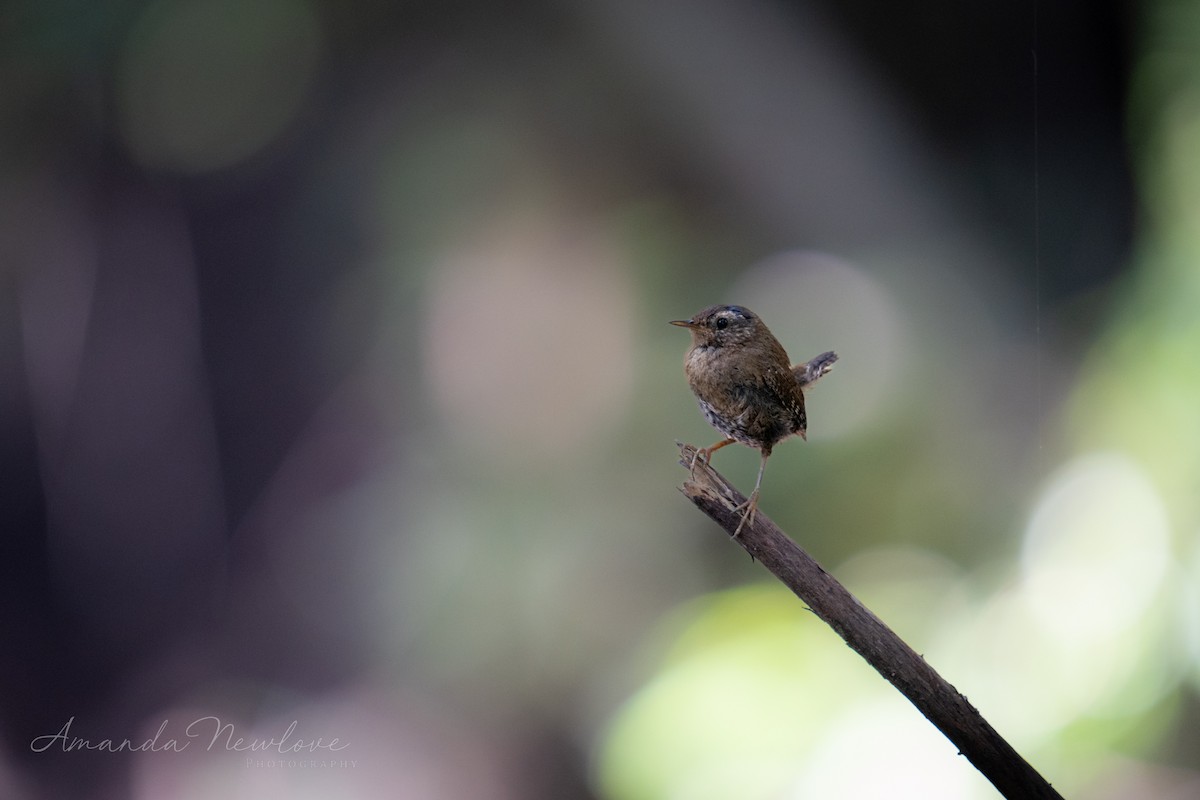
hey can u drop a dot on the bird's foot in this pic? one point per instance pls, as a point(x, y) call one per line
point(748, 509)
point(704, 454)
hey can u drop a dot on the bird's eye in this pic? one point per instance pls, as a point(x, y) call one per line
point(722, 323)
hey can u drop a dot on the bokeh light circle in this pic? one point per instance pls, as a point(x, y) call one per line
point(815, 302)
point(529, 345)
point(204, 84)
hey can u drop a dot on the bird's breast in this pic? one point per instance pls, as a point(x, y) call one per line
point(755, 407)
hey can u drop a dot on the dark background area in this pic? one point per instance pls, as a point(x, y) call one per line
point(166, 452)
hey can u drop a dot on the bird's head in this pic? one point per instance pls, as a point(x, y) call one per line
point(721, 326)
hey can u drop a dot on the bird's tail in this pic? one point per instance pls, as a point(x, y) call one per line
point(814, 369)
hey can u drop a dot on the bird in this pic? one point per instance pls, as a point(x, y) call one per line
point(746, 386)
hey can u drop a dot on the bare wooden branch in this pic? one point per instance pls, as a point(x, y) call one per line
point(867, 635)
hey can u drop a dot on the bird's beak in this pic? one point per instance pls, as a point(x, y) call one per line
point(683, 323)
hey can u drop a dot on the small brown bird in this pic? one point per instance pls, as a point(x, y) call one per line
point(747, 388)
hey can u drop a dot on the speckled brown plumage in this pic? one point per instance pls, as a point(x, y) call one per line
point(746, 386)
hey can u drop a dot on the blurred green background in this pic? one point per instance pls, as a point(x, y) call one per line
point(336, 389)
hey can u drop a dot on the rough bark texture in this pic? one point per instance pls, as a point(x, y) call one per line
point(867, 635)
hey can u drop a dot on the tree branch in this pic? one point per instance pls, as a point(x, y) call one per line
point(867, 635)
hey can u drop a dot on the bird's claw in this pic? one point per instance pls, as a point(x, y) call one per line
point(748, 509)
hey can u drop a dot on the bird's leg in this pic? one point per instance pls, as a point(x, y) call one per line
point(749, 507)
point(705, 453)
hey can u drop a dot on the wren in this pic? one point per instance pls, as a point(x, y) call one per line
point(746, 386)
